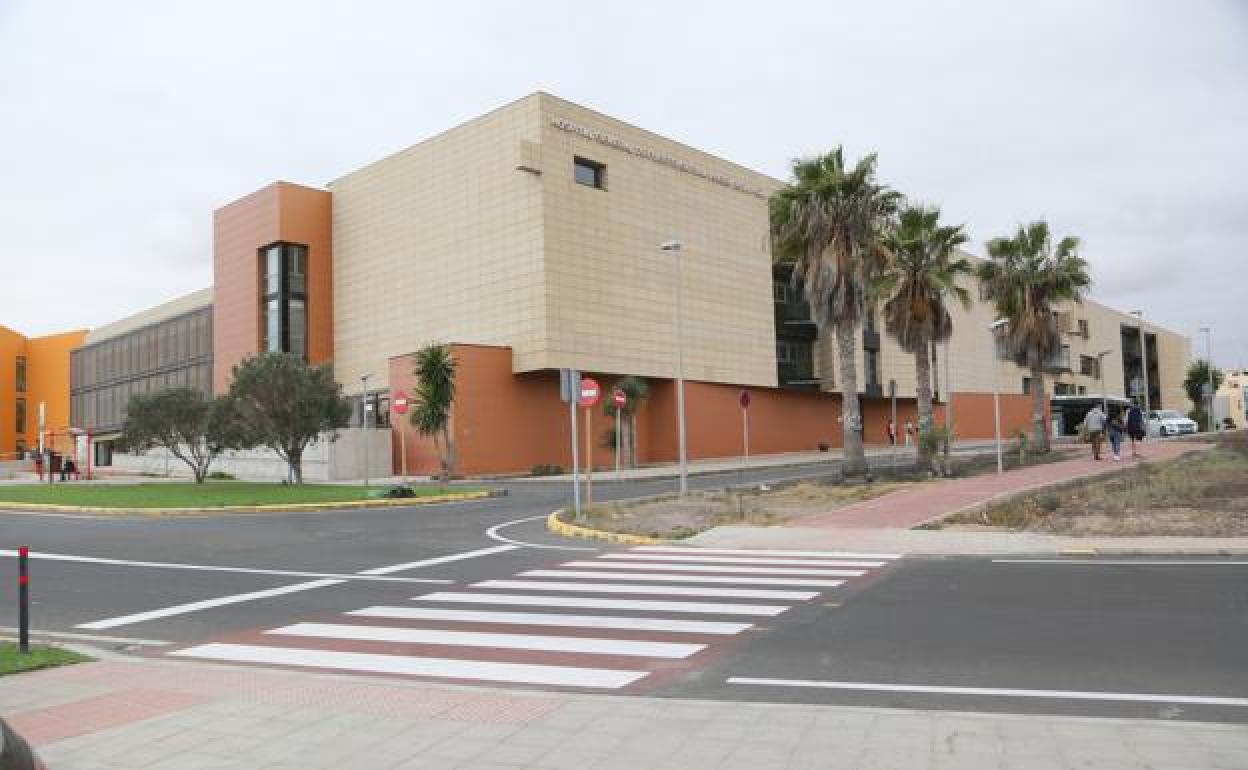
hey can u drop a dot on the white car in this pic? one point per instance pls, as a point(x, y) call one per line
point(1169, 422)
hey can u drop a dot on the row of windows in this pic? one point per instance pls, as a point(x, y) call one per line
point(104, 408)
point(170, 343)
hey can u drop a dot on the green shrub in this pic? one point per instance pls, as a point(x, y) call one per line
point(546, 469)
point(222, 476)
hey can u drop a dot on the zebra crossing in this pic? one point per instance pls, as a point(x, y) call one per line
point(602, 623)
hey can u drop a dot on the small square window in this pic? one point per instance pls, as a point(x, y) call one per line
point(780, 291)
point(590, 174)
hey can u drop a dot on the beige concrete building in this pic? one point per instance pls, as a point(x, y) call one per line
point(529, 239)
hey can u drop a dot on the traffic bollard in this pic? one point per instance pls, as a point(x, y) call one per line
point(23, 599)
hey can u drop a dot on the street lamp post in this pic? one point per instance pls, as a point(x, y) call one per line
point(1100, 373)
point(996, 396)
point(1209, 360)
point(1144, 361)
point(364, 421)
point(674, 247)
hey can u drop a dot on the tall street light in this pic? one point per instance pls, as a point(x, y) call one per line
point(1143, 361)
point(364, 420)
point(1209, 359)
point(674, 248)
point(1100, 373)
point(996, 393)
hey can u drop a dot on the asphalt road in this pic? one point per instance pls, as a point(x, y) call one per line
point(1171, 636)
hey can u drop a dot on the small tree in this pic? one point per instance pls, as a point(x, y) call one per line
point(435, 395)
point(285, 404)
point(189, 426)
point(636, 390)
point(1198, 376)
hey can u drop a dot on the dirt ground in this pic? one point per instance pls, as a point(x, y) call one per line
point(672, 517)
point(1205, 494)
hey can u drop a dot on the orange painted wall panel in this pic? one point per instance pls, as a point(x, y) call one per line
point(47, 381)
point(12, 345)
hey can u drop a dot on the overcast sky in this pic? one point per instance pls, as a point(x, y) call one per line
point(124, 124)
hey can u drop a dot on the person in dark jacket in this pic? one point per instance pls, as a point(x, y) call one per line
point(1136, 428)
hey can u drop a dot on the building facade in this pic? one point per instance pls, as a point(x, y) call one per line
point(34, 375)
point(529, 240)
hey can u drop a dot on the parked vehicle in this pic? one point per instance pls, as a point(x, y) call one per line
point(1169, 422)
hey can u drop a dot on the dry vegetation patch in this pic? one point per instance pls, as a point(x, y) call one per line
point(1201, 494)
point(674, 517)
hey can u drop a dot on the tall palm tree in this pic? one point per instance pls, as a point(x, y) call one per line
point(914, 287)
point(1026, 275)
point(636, 390)
point(435, 394)
point(830, 224)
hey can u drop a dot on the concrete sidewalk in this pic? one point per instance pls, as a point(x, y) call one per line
point(162, 715)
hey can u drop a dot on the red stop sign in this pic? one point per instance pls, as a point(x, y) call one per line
point(744, 399)
point(619, 397)
point(398, 402)
point(590, 392)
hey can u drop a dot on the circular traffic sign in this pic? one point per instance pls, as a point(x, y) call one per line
point(398, 402)
point(619, 397)
point(744, 399)
point(589, 392)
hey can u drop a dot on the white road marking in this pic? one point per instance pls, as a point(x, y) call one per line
point(548, 619)
point(492, 533)
point(1202, 700)
point(441, 668)
point(715, 568)
point(744, 580)
point(616, 588)
point(538, 600)
point(182, 609)
point(629, 647)
point(44, 556)
point(1126, 562)
point(372, 574)
point(439, 560)
point(742, 560)
point(765, 552)
point(87, 637)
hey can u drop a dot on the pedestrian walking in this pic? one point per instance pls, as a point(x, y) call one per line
point(909, 432)
point(892, 433)
point(1114, 430)
point(1135, 428)
point(1094, 424)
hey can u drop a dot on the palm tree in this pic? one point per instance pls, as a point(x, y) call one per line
point(913, 286)
point(1026, 276)
point(435, 393)
point(830, 224)
point(1197, 380)
point(636, 390)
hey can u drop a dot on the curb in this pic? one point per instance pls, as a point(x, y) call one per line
point(561, 527)
point(289, 507)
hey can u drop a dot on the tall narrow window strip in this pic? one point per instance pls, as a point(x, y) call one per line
point(284, 303)
point(20, 374)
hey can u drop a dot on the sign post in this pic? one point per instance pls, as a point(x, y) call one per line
point(620, 399)
point(399, 405)
point(744, 400)
point(588, 397)
point(569, 385)
point(892, 397)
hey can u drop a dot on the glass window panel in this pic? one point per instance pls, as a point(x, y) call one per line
point(297, 257)
point(273, 326)
point(298, 327)
point(273, 269)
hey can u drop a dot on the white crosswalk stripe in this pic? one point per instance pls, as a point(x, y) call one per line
point(742, 560)
point(549, 619)
point(545, 627)
point(505, 641)
point(665, 578)
point(716, 568)
point(617, 588)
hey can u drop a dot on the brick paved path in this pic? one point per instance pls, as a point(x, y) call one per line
point(910, 507)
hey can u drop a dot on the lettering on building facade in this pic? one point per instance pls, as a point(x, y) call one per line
point(658, 157)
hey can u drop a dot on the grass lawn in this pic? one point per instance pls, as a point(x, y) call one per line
point(210, 494)
point(39, 656)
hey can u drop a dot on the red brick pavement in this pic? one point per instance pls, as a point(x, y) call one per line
point(912, 506)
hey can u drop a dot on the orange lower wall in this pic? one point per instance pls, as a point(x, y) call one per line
point(508, 423)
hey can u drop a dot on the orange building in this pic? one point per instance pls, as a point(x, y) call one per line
point(33, 371)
